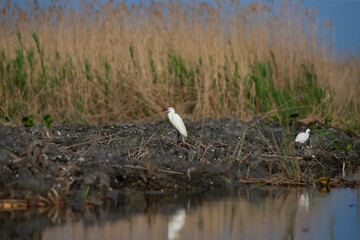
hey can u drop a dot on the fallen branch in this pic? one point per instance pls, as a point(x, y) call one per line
point(158, 169)
point(280, 156)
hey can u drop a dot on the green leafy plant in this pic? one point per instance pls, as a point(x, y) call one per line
point(28, 121)
point(349, 145)
point(328, 121)
point(47, 120)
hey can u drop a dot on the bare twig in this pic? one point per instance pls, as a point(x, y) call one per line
point(266, 141)
point(280, 156)
point(145, 169)
point(276, 145)
point(268, 113)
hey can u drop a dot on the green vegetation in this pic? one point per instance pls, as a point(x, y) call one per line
point(47, 120)
point(28, 121)
point(98, 73)
point(306, 95)
point(335, 142)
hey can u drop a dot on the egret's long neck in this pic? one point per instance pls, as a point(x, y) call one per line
point(171, 114)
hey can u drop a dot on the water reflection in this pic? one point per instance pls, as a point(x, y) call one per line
point(304, 201)
point(246, 213)
point(176, 223)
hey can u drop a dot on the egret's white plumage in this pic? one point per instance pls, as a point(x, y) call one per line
point(176, 121)
point(302, 137)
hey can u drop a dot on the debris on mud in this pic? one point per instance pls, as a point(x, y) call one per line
point(84, 164)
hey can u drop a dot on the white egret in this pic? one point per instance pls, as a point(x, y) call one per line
point(302, 137)
point(176, 121)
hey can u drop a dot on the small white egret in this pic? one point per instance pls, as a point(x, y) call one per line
point(302, 137)
point(176, 121)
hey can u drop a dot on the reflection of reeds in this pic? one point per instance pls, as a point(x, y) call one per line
point(283, 180)
point(123, 62)
point(52, 199)
point(13, 204)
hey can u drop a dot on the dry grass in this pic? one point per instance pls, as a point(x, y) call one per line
point(124, 63)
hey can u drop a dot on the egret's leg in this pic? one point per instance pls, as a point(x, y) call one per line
point(178, 136)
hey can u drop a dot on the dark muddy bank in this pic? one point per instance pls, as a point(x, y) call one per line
point(87, 162)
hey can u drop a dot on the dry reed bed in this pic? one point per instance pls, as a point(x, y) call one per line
point(116, 62)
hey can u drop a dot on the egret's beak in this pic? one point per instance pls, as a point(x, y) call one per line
point(165, 110)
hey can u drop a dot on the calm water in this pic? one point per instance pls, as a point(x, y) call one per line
point(236, 213)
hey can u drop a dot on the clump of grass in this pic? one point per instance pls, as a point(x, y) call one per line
point(310, 98)
point(85, 67)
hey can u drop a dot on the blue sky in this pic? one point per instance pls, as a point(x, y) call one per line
point(345, 16)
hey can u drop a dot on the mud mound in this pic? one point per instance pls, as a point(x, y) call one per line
point(81, 161)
